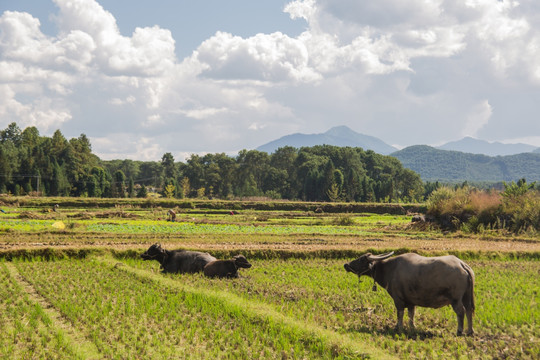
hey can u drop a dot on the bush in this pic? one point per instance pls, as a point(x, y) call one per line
point(522, 211)
point(473, 210)
point(453, 208)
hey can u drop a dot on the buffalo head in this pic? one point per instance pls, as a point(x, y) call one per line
point(241, 262)
point(154, 252)
point(364, 263)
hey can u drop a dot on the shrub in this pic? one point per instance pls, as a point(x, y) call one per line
point(522, 211)
point(473, 210)
point(344, 221)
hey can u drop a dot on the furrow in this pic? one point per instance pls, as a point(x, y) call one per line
point(85, 348)
point(262, 311)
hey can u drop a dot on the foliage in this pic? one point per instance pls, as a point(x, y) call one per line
point(516, 190)
point(169, 190)
point(516, 209)
point(142, 193)
point(57, 167)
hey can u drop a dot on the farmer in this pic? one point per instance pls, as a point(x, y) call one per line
point(172, 215)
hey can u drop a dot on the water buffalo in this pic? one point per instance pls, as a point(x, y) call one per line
point(413, 280)
point(226, 268)
point(178, 261)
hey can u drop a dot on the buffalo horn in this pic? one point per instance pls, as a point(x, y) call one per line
point(380, 257)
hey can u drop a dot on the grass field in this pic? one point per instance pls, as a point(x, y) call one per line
point(81, 291)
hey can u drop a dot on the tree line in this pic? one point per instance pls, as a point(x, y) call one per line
point(55, 166)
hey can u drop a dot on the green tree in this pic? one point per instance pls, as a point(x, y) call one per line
point(11, 134)
point(252, 168)
point(119, 184)
point(185, 188)
point(142, 193)
point(169, 167)
point(169, 191)
point(131, 188)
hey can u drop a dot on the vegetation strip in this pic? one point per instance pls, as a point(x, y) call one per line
point(84, 348)
point(258, 310)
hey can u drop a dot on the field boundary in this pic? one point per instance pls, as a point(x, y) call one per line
point(63, 252)
point(228, 205)
point(83, 347)
point(260, 310)
point(265, 254)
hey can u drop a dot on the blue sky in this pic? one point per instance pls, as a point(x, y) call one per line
point(143, 78)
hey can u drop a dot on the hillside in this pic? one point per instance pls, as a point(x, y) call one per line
point(435, 164)
point(336, 136)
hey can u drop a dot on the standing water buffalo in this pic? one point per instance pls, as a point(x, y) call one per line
point(178, 261)
point(413, 280)
point(226, 268)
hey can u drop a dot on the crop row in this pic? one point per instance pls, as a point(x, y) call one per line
point(129, 317)
point(27, 331)
point(161, 227)
point(320, 292)
point(129, 310)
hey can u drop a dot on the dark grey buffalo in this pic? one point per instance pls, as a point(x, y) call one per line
point(226, 268)
point(178, 261)
point(413, 280)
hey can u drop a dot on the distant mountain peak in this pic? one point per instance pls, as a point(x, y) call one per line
point(339, 130)
point(337, 136)
point(476, 146)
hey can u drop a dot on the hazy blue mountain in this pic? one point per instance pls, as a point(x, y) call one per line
point(476, 146)
point(454, 166)
point(537, 151)
point(337, 136)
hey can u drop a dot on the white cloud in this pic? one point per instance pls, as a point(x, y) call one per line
point(149, 51)
point(273, 57)
point(123, 146)
point(477, 119)
point(44, 112)
point(385, 68)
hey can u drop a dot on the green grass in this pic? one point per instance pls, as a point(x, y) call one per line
point(129, 316)
point(27, 331)
point(319, 291)
point(295, 302)
point(301, 308)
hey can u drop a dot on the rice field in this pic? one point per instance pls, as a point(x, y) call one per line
point(82, 291)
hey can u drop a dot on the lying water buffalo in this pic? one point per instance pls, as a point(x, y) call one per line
point(178, 261)
point(413, 280)
point(226, 268)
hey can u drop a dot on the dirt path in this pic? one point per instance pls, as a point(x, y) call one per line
point(300, 243)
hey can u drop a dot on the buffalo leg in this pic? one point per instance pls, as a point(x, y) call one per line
point(460, 312)
point(400, 307)
point(411, 317)
point(470, 330)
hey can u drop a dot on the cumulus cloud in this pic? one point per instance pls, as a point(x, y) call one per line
point(44, 78)
point(477, 119)
point(384, 68)
point(264, 57)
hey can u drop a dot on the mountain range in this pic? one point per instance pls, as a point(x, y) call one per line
point(337, 136)
point(467, 159)
point(456, 166)
point(476, 146)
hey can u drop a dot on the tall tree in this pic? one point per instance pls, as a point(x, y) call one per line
point(169, 168)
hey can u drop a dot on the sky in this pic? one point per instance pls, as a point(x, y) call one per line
point(144, 78)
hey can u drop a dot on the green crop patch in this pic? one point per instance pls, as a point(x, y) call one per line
point(73, 284)
point(27, 330)
point(131, 316)
point(294, 308)
point(319, 291)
